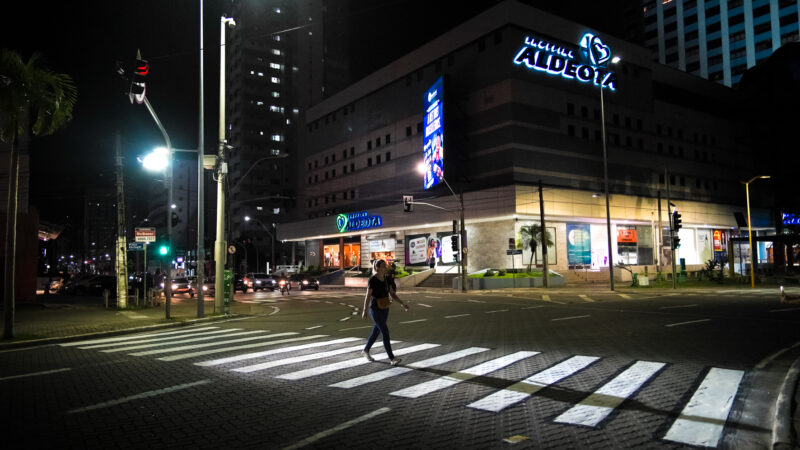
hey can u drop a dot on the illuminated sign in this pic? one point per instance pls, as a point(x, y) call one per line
point(433, 142)
point(791, 219)
point(357, 221)
point(554, 59)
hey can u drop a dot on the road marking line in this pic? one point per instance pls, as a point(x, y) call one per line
point(158, 339)
point(413, 321)
point(785, 309)
point(702, 420)
point(453, 317)
point(314, 327)
point(301, 358)
point(454, 378)
point(323, 434)
point(597, 406)
point(569, 318)
point(356, 328)
point(586, 297)
point(423, 304)
point(687, 323)
point(305, 373)
point(679, 306)
point(394, 371)
point(275, 310)
point(210, 344)
point(161, 344)
point(522, 390)
point(535, 307)
point(147, 394)
point(346, 318)
point(237, 358)
point(475, 301)
point(35, 374)
point(133, 315)
point(430, 296)
point(496, 311)
point(138, 336)
point(625, 296)
point(239, 347)
point(545, 297)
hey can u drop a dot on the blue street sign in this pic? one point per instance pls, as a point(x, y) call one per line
point(514, 252)
point(135, 246)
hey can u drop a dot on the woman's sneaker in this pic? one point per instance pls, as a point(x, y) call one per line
point(366, 355)
point(396, 361)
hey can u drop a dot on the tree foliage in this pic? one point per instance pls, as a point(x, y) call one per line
point(532, 236)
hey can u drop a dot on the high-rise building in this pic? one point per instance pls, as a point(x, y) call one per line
point(279, 63)
point(718, 39)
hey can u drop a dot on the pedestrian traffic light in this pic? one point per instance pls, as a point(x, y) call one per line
point(138, 74)
point(408, 203)
point(676, 241)
point(676, 221)
point(454, 243)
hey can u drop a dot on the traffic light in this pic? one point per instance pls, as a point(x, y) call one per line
point(676, 241)
point(454, 243)
point(163, 249)
point(138, 74)
point(408, 203)
point(676, 221)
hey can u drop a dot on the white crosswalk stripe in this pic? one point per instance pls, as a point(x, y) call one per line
point(305, 373)
point(520, 391)
point(457, 377)
point(239, 347)
point(237, 358)
point(210, 344)
point(702, 420)
point(156, 339)
point(394, 371)
point(133, 337)
point(596, 407)
point(184, 341)
point(298, 359)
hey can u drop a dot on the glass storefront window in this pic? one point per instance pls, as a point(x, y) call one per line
point(382, 249)
point(331, 255)
point(352, 255)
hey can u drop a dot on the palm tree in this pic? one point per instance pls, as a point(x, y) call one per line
point(32, 100)
point(531, 238)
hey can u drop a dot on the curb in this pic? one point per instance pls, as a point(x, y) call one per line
point(782, 435)
point(77, 337)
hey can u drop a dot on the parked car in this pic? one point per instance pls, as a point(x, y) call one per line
point(92, 285)
point(258, 281)
point(304, 282)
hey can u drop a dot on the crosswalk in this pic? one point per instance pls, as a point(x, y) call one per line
point(701, 422)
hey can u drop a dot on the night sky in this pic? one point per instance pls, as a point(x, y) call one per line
point(85, 39)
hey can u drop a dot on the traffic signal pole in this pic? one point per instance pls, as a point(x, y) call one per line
point(671, 233)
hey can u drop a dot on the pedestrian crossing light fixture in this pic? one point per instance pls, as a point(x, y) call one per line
point(454, 243)
point(676, 221)
point(408, 203)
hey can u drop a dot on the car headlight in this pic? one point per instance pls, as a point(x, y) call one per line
point(174, 287)
point(205, 288)
point(258, 282)
point(305, 281)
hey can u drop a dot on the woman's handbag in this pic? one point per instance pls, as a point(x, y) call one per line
point(383, 303)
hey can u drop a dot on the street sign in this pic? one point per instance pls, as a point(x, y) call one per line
point(231, 249)
point(513, 252)
point(135, 246)
point(145, 234)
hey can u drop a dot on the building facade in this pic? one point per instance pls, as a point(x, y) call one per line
point(522, 104)
point(718, 39)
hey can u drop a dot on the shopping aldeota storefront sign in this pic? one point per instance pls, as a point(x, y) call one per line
point(357, 221)
point(586, 64)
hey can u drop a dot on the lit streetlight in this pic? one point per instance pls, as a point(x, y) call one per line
point(749, 229)
point(614, 60)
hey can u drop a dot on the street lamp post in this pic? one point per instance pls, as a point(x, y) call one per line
point(614, 60)
point(750, 231)
point(220, 246)
point(201, 223)
point(271, 235)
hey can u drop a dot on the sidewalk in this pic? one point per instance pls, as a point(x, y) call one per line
point(62, 317)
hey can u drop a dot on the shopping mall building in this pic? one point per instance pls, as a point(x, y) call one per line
point(515, 97)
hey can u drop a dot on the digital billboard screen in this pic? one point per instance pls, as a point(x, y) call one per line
point(433, 142)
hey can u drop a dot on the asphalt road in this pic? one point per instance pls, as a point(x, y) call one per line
point(524, 370)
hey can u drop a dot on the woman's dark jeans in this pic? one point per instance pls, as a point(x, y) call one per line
point(379, 316)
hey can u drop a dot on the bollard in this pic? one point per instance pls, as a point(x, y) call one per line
point(105, 297)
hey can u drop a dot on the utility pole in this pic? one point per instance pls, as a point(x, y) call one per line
point(463, 245)
point(660, 237)
point(545, 281)
point(671, 233)
point(121, 251)
point(201, 231)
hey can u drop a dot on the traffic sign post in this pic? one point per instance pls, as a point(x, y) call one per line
point(228, 291)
